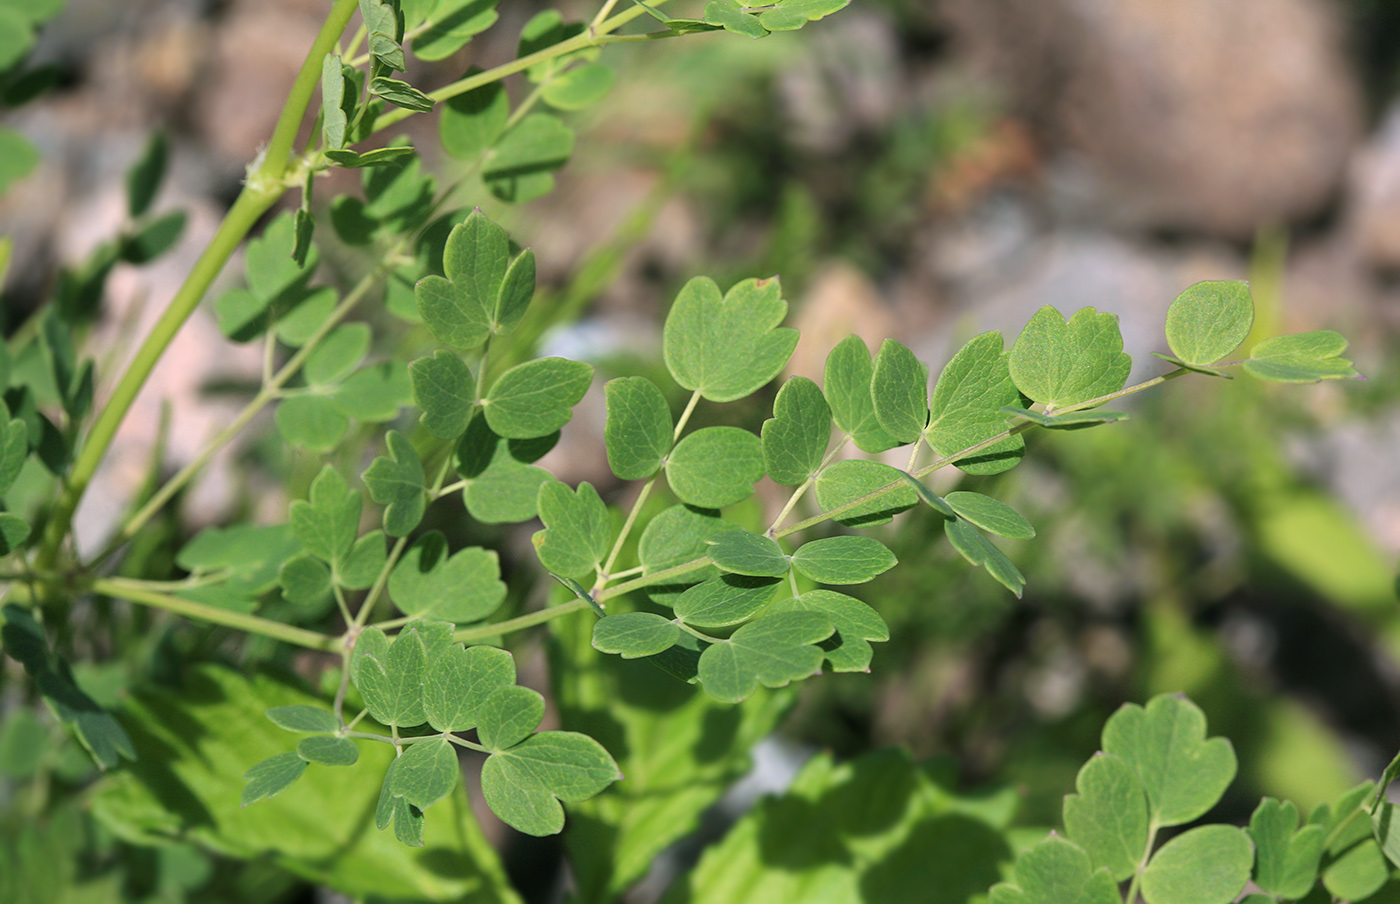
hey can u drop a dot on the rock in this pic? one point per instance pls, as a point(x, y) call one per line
point(1374, 196)
point(1190, 115)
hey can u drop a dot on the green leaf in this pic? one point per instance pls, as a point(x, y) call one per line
point(453, 317)
point(1108, 817)
point(577, 532)
point(1209, 320)
point(726, 600)
point(1072, 420)
point(14, 450)
point(715, 466)
point(298, 322)
point(932, 499)
point(458, 681)
point(18, 156)
point(1183, 773)
point(144, 178)
point(385, 32)
point(966, 407)
point(796, 437)
point(523, 785)
point(741, 552)
point(992, 515)
point(849, 373)
point(472, 122)
point(1062, 363)
point(253, 555)
point(328, 524)
point(377, 157)
point(789, 15)
point(396, 482)
point(535, 398)
point(475, 258)
point(14, 530)
point(502, 485)
point(520, 166)
point(465, 587)
point(517, 290)
point(333, 119)
point(306, 581)
point(390, 675)
point(339, 353)
point(899, 391)
point(727, 346)
point(328, 751)
point(846, 481)
point(1205, 865)
point(634, 634)
point(311, 421)
point(856, 624)
point(730, 15)
point(1358, 873)
point(303, 229)
point(1056, 871)
point(1301, 358)
point(638, 427)
point(153, 238)
point(272, 776)
point(978, 550)
point(443, 386)
point(366, 560)
point(273, 275)
point(843, 560)
point(773, 651)
point(508, 716)
point(579, 87)
point(374, 393)
point(451, 25)
point(304, 719)
point(425, 773)
point(1286, 856)
point(675, 536)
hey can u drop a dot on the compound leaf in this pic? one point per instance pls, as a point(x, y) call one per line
point(459, 680)
point(966, 407)
point(638, 427)
point(846, 481)
point(1062, 363)
point(328, 751)
point(1165, 743)
point(464, 587)
point(523, 785)
point(741, 552)
point(443, 386)
point(1286, 856)
point(1204, 865)
point(726, 600)
point(846, 386)
point(633, 635)
point(843, 560)
point(328, 524)
point(535, 398)
point(577, 533)
point(396, 482)
point(390, 675)
point(1209, 320)
point(856, 624)
point(1301, 358)
point(796, 437)
point(1108, 817)
point(774, 651)
point(727, 346)
point(992, 515)
point(715, 466)
point(899, 391)
point(1056, 871)
point(272, 776)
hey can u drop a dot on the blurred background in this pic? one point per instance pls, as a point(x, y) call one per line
point(922, 169)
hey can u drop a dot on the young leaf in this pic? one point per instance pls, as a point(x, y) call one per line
point(846, 387)
point(521, 164)
point(1286, 856)
point(508, 716)
point(773, 651)
point(1063, 363)
point(523, 785)
point(715, 466)
point(459, 680)
point(726, 600)
point(638, 427)
point(1056, 871)
point(1301, 358)
point(633, 635)
point(899, 391)
point(385, 29)
point(1108, 817)
point(464, 587)
point(966, 407)
point(978, 550)
point(843, 560)
point(272, 776)
point(443, 386)
point(390, 675)
point(727, 346)
point(453, 317)
point(328, 751)
point(577, 533)
point(741, 552)
point(1209, 320)
point(992, 515)
point(1207, 864)
point(304, 719)
point(796, 437)
point(579, 87)
point(328, 524)
point(535, 398)
point(144, 178)
point(856, 624)
point(1165, 744)
point(471, 122)
point(396, 482)
point(846, 481)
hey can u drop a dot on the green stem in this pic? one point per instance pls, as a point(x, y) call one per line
point(284, 134)
point(121, 589)
point(519, 623)
point(656, 577)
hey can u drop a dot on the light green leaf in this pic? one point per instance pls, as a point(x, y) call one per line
point(464, 587)
point(272, 776)
point(306, 581)
point(1301, 358)
point(1286, 856)
point(577, 534)
point(675, 536)
point(304, 719)
point(523, 785)
point(424, 773)
point(18, 156)
point(638, 427)
point(520, 166)
point(978, 550)
point(145, 175)
point(396, 482)
point(796, 437)
point(773, 651)
point(303, 228)
point(899, 391)
point(517, 290)
point(14, 449)
point(715, 466)
point(333, 119)
point(443, 386)
point(502, 485)
point(453, 317)
point(849, 372)
point(451, 25)
point(727, 346)
point(14, 530)
point(846, 481)
point(932, 499)
point(848, 650)
point(843, 560)
point(1183, 773)
point(741, 552)
point(634, 634)
point(1063, 363)
point(508, 716)
point(374, 393)
point(459, 680)
point(339, 353)
point(1072, 420)
point(1357, 873)
point(365, 562)
point(966, 407)
point(252, 554)
point(272, 273)
point(390, 675)
point(377, 157)
point(535, 398)
point(328, 524)
point(579, 87)
point(385, 31)
point(298, 321)
point(401, 94)
point(789, 15)
point(992, 515)
point(328, 751)
point(1209, 320)
point(1205, 865)
point(1108, 817)
point(1056, 871)
point(730, 15)
point(311, 421)
point(726, 600)
point(471, 122)
point(475, 258)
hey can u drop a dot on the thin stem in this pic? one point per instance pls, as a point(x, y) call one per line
point(656, 577)
point(519, 623)
point(685, 416)
point(122, 589)
point(279, 147)
point(694, 633)
point(602, 14)
point(606, 574)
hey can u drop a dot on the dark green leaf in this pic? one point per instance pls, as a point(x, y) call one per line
point(715, 466)
point(328, 751)
point(459, 681)
point(846, 481)
point(634, 634)
point(1209, 320)
point(14, 449)
point(502, 485)
point(638, 427)
point(848, 650)
point(726, 600)
point(272, 776)
point(14, 530)
point(741, 552)
point(508, 716)
point(978, 550)
point(843, 560)
point(727, 346)
point(773, 651)
point(144, 178)
point(796, 437)
point(303, 229)
point(425, 773)
point(847, 389)
point(396, 482)
point(992, 515)
point(153, 239)
point(535, 398)
point(443, 386)
point(464, 587)
point(475, 258)
point(932, 499)
point(1061, 363)
point(517, 290)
